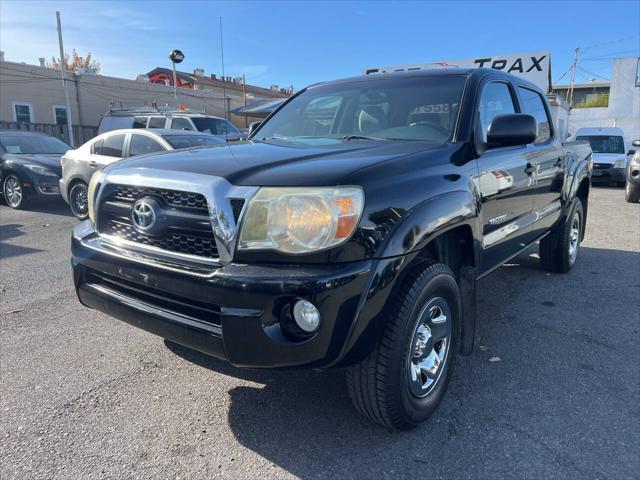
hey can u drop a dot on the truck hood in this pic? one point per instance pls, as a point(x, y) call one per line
point(279, 163)
point(52, 162)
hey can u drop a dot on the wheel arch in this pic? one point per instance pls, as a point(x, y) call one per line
point(454, 243)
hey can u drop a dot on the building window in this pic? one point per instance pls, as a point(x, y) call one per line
point(59, 114)
point(22, 112)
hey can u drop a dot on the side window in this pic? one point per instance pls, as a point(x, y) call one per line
point(140, 122)
point(96, 148)
point(495, 100)
point(533, 104)
point(141, 144)
point(181, 123)
point(112, 146)
point(156, 122)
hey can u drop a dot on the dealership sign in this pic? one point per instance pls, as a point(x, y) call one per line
point(533, 66)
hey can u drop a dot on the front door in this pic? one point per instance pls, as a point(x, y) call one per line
point(505, 184)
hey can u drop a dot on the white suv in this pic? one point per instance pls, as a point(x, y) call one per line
point(117, 119)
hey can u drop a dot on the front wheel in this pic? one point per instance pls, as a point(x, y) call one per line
point(14, 193)
point(402, 381)
point(632, 192)
point(559, 249)
point(78, 200)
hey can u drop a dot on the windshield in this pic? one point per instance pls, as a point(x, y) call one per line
point(214, 126)
point(188, 141)
point(32, 144)
point(604, 143)
point(410, 108)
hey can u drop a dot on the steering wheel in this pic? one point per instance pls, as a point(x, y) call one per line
point(435, 126)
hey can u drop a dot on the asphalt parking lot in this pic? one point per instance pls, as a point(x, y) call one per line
point(83, 395)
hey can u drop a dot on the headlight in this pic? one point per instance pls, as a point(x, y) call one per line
point(619, 163)
point(300, 220)
point(94, 183)
point(40, 170)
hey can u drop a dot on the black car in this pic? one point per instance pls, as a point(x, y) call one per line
point(29, 166)
point(348, 232)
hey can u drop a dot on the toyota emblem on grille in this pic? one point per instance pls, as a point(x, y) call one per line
point(143, 215)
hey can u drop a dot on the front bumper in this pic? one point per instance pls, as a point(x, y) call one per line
point(62, 185)
point(608, 174)
point(228, 311)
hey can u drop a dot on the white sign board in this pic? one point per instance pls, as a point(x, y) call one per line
point(532, 66)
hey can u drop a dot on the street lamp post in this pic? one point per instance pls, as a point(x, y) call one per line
point(176, 56)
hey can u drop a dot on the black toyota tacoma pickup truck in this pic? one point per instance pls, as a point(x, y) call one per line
point(349, 231)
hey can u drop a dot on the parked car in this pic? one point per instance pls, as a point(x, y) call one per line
point(632, 181)
point(79, 165)
point(609, 153)
point(29, 166)
point(345, 233)
point(116, 119)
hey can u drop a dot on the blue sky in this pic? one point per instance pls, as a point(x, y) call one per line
point(298, 43)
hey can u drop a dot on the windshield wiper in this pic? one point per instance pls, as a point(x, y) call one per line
point(360, 137)
point(274, 138)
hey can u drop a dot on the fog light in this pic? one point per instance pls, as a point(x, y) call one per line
point(306, 316)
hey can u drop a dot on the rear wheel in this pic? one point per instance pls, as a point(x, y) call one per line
point(14, 193)
point(632, 192)
point(78, 200)
point(402, 381)
point(559, 249)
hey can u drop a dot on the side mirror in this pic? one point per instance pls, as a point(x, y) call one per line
point(511, 130)
point(253, 126)
point(631, 152)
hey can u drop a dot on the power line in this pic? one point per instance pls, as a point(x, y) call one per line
point(594, 74)
point(610, 55)
point(603, 44)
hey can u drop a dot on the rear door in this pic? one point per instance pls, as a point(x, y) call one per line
point(157, 122)
point(505, 181)
point(181, 123)
point(105, 151)
point(549, 159)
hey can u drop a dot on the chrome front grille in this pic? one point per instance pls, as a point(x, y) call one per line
point(172, 242)
point(183, 223)
point(173, 198)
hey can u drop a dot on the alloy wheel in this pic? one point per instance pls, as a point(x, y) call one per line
point(574, 237)
point(429, 347)
point(13, 193)
point(78, 200)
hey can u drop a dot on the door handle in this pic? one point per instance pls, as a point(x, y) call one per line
point(93, 163)
point(529, 169)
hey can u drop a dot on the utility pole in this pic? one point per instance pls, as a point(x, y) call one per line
point(64, 82)
point(244, 96)
point(573, 77)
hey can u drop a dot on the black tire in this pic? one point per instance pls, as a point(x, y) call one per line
point(380, 386)
point(559, 250)
point(78, 200)
point(620, 184)
point(632, 193)
point(15, 195)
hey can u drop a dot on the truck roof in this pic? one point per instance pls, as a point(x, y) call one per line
point(432, 72)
